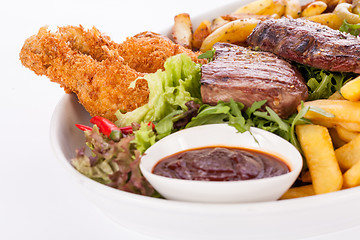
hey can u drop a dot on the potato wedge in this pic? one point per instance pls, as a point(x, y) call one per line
point(200, 33)
point(233, 32)
point(351, 90)
point(234, 16)
point(319, 153)
point(217, 22)
point(256, 7)
point(356, 6)
point(278, 7)
point(352, 176)
point(331, 2)
point(292, 9)
point(298, 192)
point(329, 19)
point(314, 8)
point(349, 154)
point(182, 30)
point(344, 12)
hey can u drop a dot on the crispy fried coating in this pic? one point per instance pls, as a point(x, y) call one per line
point(98, 70)
point(147, 52)
point(102, 87)
point(90, 42)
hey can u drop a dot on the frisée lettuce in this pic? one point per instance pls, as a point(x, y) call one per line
point(169, 90)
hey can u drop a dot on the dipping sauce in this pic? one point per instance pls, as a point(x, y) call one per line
point(220, 164)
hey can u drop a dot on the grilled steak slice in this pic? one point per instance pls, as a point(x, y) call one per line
point(247, 76)
point(308, 43)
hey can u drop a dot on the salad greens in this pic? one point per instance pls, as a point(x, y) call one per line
point(232, 113)
point(321, 83)
point(209, 55)
point(175, 104)
point(353, 29)
point(112, 163)
point(169, 91)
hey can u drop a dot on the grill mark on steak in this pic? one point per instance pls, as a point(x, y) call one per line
point(247, 76)
point(309, 43)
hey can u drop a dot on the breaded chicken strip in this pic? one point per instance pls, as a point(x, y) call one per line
point(102, 87)
point(90, 42)
point(96, 69)
point(147, 52)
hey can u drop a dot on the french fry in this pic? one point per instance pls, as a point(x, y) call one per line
point(256, 7)
point(298, 192)
point(278, 7)
point(314, 8)
point(306, 177)
point(336, 140)
point(349, 154)
point(200, 33)
point(329, 19)
point(350, 126)
point(329, 123)
point(182, 30)
point(343, 111)
point(336, 96)
point(233, 32)
point(352, 176)
point(292, 9)
point(345, 134)
point(351, 90)
point(319, 153)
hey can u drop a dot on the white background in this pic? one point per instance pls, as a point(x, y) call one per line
point(37, 200)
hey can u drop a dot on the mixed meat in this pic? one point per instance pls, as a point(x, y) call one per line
point(100, 71)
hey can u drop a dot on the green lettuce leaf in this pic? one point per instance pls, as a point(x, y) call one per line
point(169, 91)
point(353, 29)
point(144, 137)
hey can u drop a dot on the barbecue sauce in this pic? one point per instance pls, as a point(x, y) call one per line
point(220, 164)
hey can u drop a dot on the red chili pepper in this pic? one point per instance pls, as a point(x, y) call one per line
point(152, 125)
point(129, 130)
point(105, 125)
point(83, 127)
point(126, 130)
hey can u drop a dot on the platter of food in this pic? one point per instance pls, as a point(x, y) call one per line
point(279, 65)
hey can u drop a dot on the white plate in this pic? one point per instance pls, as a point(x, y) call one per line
point(167, 219)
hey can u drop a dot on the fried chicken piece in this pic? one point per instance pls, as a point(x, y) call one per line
point(102, 87)
point(97, 69)
point(147, 52)
point(90, 42)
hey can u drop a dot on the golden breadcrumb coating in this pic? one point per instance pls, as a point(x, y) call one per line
point(98, 70)
point(147, 52)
